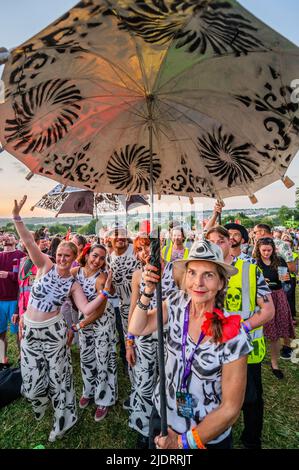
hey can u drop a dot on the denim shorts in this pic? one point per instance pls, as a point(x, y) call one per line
point(7, 310)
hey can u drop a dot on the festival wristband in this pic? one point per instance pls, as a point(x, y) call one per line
point(17, 218)
point(185, 441)
point(77, 327)
point(191, 440)
point(197, 439)
point(129, 336)
point(180, 442)
point(247, 327)
point(105, 293)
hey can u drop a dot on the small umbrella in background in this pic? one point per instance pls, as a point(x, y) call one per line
point(70, 200)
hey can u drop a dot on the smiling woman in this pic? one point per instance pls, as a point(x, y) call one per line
point(45, 357)
point(206, 352)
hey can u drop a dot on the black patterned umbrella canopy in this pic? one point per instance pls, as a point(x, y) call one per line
point(211, 81)
point(72, 200)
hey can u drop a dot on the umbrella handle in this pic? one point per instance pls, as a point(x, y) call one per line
point(155, 260)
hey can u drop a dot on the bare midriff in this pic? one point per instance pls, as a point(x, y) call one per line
point(36, 315)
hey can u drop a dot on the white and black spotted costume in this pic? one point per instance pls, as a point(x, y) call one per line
point(204, 382)
point(45, 358)
point(98, 349)
point(145, 370)
point(123, 267)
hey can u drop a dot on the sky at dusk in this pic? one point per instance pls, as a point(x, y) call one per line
point(21, 19)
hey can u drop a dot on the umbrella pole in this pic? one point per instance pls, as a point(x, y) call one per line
point(156, 260)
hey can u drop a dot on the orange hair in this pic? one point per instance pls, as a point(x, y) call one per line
point(140, 240)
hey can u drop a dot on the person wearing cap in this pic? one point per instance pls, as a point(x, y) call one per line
point(248, 295)
point(206, 356)
point(238, 236)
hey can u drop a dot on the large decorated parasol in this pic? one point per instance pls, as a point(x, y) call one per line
point(70, 200)
point(209, 82)
point(184, 97)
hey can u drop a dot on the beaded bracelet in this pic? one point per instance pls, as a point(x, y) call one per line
point(197, 439)
point(142, 306)
point(149, 296)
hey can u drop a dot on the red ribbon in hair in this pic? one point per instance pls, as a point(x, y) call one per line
point(230, 325)
point(85, 249)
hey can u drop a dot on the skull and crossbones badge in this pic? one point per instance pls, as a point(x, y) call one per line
point(233, 299)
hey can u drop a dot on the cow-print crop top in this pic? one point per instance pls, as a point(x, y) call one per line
point(50, 291)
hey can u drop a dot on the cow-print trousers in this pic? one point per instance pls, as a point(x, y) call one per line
point(47, 371)
point(98, 360)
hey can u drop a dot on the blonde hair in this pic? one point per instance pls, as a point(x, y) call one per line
point(70, 245)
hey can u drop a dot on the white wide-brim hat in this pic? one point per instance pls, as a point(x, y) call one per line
point(202, 250)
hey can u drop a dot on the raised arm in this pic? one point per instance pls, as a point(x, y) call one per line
point(213, 220)
point(41, 260)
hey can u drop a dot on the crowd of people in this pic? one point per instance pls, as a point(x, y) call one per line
point(224, 291)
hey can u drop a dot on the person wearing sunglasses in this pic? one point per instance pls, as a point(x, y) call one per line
point(97, 334)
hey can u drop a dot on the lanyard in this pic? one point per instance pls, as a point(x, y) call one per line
point(188, 362)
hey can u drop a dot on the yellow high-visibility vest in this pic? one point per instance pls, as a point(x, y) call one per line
point(241, 300)
point(167, 252)
point(295, 258)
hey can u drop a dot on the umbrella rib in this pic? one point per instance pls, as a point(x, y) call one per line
point(195, 122)
point(141, 116)
point(206, 170)
point(116, 68)
point(203, 61)
point(207, 92)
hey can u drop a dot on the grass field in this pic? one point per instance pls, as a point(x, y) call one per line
point(19, 429)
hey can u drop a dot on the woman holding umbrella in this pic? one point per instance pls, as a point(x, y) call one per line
point(142, 351)
point(45, 358)
point(206, 360)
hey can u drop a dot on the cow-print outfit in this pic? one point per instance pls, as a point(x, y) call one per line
point(123, 267)
point(98, 349)
point(45, 358)
point(145, 370)
point(204, 382)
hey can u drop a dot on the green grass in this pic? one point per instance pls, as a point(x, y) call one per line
point(20, 430)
